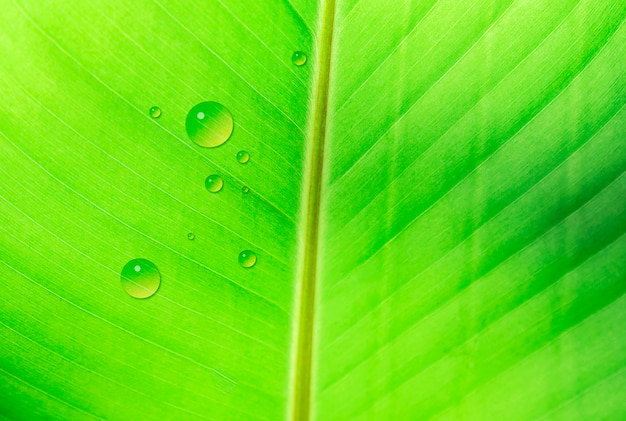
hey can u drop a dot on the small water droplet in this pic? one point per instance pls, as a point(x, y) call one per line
point(247, 258)
point(140, 278)
point(155, 112)
point(191, 236)
point(243, 157)
point(298, 58)
point(209, 124)
point(214, 183)
point(245, 189)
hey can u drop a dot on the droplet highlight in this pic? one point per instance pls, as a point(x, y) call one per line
point(209, 124)
point(214, 183)
point(243, 157)
point(155, 112)
point(247, 258)
point(245, 189)
point(140, 278)
point(191, 236)
point(298, 58)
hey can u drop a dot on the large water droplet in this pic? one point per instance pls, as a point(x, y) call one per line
point(245, 189)
point(209, 124)
point(214, 183)
point(243, 157)
point(191, 236)
point(298, 58)
point(140, 278)
point(247, 258)
point(155, 112)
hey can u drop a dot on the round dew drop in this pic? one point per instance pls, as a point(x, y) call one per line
point(298, 58)
point(155, 112)
point(140, 278)
point(247, 258)
point(245, 189)
point(209, 124)
point(243, 157)
point(214, 183)
point(191, 236)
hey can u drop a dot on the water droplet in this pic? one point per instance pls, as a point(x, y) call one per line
point(247, 258)
point(155, 112)
point(245, 189)
point(191, 236)
point(243, 157)
point(140, 278)
point(214, 183)
point(298, 58)
point(209, 124)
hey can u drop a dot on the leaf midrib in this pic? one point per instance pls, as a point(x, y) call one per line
point(306, 276)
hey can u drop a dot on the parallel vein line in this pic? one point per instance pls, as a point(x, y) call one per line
point(97, 373)
point(453, 125)
point(511, 310)
point(591, 316)
point(134, 368)
point(54, 397)
point(517, 200)
point(400, 117)
point(112, 271)
point(482, 162)
point(509, 258)
point(184, 256)
point(244, 80)
point(115, 159)
point(131, 333)
point(121, 97)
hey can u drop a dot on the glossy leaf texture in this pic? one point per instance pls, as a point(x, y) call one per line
point(474, 259)
point(471, 262)
point(90, 181)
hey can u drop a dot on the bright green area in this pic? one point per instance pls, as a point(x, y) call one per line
point(475, 252)
point(472, 258)
point(89, 181)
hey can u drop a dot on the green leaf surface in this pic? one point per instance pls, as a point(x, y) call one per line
point(435, 199)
